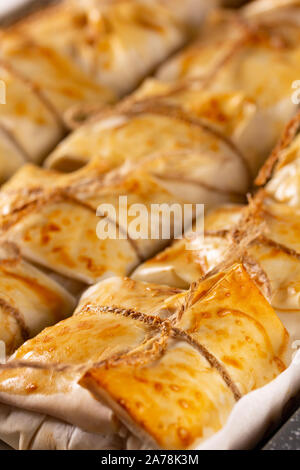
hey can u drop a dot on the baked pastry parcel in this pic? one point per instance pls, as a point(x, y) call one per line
point(80, 53)
point(272, 219)
point(156, 152)
point(164, 151)
point(160, 119)
point(52, 218)
point(152, 149)
point(164, 144)
point(29, 301)
point(143, 365)
point(193, 135)
point(125, 327)
point(238, 54)
point(224, 73)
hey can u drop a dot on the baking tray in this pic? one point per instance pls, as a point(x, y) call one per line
point(287, 436)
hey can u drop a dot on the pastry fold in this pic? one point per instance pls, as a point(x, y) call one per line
point(165, 144)
point(237, 55)
point(266, 231)
point(152, 149)
point(222, 79)
point(56, 226)
point(165, 120)
point(189, 259)
point(100, 334)
point(142, 364)
point(108, 376)
point(29, 300)
point(58, 232)
point(158, 151)
point(80, 53)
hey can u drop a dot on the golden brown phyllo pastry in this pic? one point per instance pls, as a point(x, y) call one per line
point(166, 143)
point(238, 53)
point(165, 367)
point(80, 53)
point(183, 390)
point(185, 124)
point(54, 222)
point(222, 79)
point(51, 217)
point(158, 151)
point(29, 300)
point(272, 219)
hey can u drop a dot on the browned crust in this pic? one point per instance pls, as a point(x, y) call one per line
point(163, 330)
point(241, 236)
point(57, 195)
point(153, 105)
point(37, 91)
point(159, 345)
point(156, 348)
point(39, 199)
point(84, 114)
point(249, 231)
point(204, 81)
point(211, 359)
point(156, 323)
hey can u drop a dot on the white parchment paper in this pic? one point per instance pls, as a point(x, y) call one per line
point(256, 412)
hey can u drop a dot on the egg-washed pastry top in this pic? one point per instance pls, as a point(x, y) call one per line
point(163, 366)
point(156, 151)
point(225, 70)
point(161, 145)
point(29, 299)
point(54, 219)
point(134, 333)
point(51, 218)
point(79, 52)
point(232, 295)
point(160, 120)
point(238, 54)
point(274, 249)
